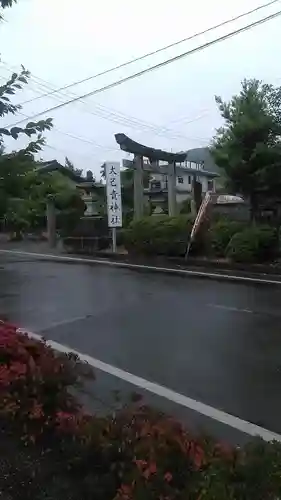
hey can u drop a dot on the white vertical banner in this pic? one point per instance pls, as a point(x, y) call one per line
point(113, 194)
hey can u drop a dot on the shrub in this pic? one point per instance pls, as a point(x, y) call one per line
point(220, 234)
point(159, 235)
point(34, 382)
point(185, 207)
point(50, 449)
point(254, 244)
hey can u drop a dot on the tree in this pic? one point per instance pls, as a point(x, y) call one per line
point(26, 209)
point(32, 128)
point(6, 3)
point(69, 164)
point(15, 165)
point(72, 208)
point(13, 169)
point(248, 146)
point(23, 188)
point(10, 88)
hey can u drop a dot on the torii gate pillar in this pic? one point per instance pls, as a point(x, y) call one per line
point(138, 187)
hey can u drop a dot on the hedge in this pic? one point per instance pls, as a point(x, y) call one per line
point(169, 236)
point(220, 234)
point(52, 449)
point(253, 244)
point(159, 235)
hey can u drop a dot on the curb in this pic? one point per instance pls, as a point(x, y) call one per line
point(147, 268)
point(193, 262)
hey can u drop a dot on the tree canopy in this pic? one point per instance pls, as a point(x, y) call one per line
point(15, 165)
point(13, 85)
point(248, 146)
point(70, 166)
point(6, 107)
point(6, 3)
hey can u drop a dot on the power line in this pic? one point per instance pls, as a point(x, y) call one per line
point(64, 152)
point(87, 141)
point(186, 119)
point(82, 139)
point(70, 153)
point(115, 116)
point(157, 51)
point(156, 66)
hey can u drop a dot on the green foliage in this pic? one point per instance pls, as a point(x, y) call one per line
point(13, 170)
point(67, 200)
point(220, 234)
point(76, 171)
point(254, 244)
point(159, 235)
point(185, 207)
point(18, 216)
point(169, 236)
point(72, 208)
point(7, 3)
point(14, 166)
point(29, 189)
point(9, 89)
point(248, 147)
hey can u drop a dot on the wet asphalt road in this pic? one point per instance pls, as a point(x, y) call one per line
point(216, 342)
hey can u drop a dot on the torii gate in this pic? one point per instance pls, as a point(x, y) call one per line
point(171, 170)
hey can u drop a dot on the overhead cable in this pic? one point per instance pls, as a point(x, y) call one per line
point(154, 67)
point(157, 51)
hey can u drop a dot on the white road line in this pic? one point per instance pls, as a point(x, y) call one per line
point(180, 272)
point(159, 390)
point(230, 308)
point(69, 321)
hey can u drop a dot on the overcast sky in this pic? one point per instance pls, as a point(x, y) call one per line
point(63, 41)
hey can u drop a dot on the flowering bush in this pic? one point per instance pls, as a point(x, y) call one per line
point(35, 383)
point(51, 449)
